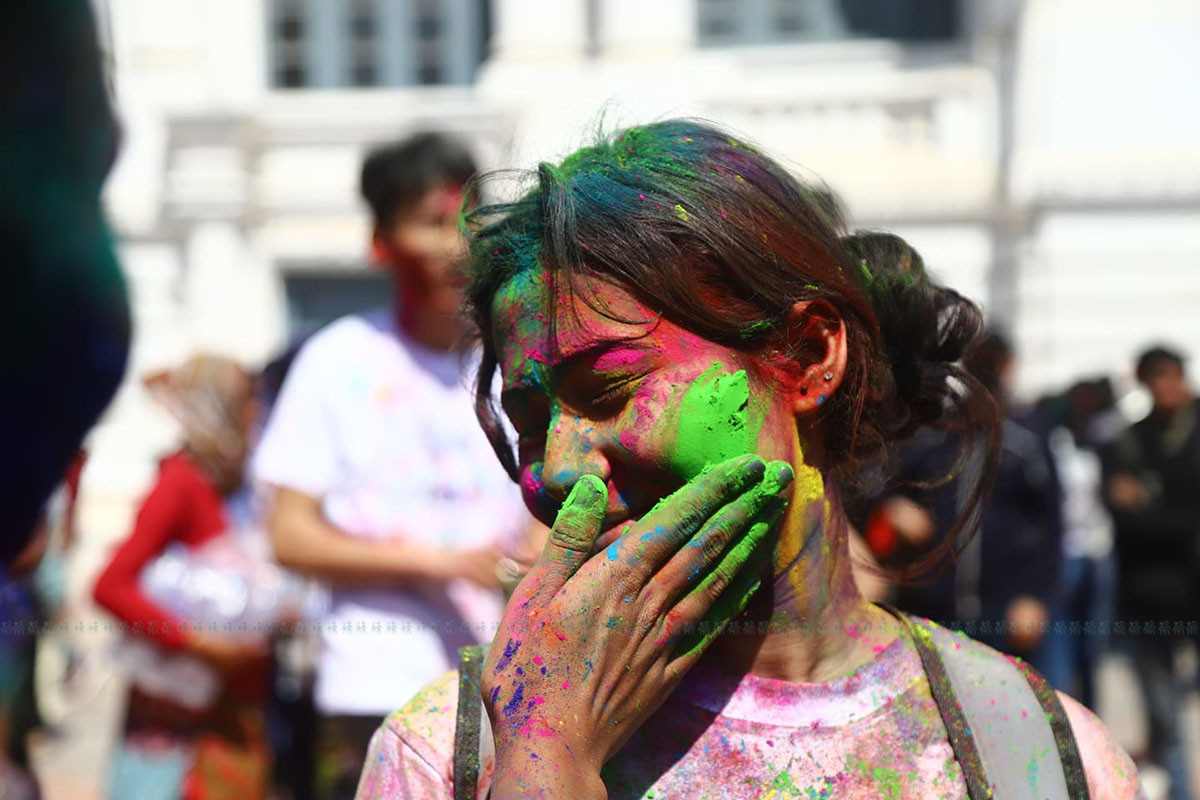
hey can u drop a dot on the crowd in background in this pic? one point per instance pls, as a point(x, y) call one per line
point(356, 462)
point(1089, 543)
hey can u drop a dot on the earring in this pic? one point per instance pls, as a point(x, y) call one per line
point(828, 376)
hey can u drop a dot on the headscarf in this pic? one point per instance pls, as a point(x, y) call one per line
point(209, 396)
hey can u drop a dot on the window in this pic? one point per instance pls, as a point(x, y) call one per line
point(289, 44)
point(718, 21)
point(292, 77)
point(790, 17)
point(429, 74)
point(728, 22)
point(365, 75)
point(363, 46)
point(319, 294)
point(337, 43)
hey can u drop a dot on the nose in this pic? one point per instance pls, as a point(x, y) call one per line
point(572, 451)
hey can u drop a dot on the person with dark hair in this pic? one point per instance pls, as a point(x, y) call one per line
point(1000, 587)
point(1152, 486)
point(696, 361)
point(1082, 422)
point(382, 483)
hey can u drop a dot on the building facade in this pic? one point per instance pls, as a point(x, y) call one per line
point(1044, 156)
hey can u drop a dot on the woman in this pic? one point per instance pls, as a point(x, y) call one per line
point(179, 743)
point(660, 307)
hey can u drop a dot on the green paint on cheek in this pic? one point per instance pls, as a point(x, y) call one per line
point(714, 421)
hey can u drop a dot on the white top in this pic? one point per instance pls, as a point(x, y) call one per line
point(383, 430)
point(1087, 528)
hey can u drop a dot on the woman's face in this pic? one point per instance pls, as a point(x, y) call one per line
point(635, 400)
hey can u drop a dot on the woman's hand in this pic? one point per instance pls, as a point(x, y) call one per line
point(227, 654)
point(477, 564)
point(591, 645)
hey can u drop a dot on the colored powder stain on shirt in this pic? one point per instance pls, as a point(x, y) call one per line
point(741, 737)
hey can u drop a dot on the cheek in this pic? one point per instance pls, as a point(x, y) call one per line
point(713, 420)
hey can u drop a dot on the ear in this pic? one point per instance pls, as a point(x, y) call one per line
point(381, 251)
point(816, 338)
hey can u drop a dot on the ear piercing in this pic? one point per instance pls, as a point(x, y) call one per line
point(828, 376)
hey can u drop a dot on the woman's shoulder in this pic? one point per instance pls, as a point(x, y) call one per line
point(427, 721)
point(412, 754)
point(1110, 772)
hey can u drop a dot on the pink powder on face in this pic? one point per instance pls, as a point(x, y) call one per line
point(619, 357)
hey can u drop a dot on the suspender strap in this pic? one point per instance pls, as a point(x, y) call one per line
point(1020, 741)
point(467, 724)
point(957, 728)
point(1064, 738)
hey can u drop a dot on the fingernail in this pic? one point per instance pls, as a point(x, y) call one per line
point(779, 476)
point(586, 492)
point(752, 468)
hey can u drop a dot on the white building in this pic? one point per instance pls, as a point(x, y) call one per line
point(1044, 156)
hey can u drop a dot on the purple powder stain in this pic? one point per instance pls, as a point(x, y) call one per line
point(495, 694)
point(514, 705)
point(510, 650)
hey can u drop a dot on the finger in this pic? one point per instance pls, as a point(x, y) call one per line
point(724, 592)
point(571, 537)
point(694, 560)
point(673, 521)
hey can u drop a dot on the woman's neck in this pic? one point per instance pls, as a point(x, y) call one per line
point(819, 626)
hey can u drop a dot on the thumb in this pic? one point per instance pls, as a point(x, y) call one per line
point(576, 527)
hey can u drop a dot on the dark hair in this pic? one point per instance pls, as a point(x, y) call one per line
point(1155, 357)
point(721, 240)
point(988, 358)
point(397, 174)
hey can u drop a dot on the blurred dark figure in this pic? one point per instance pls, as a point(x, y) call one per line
point(1083, 422)
point(1153, 488)
point(999, 589)
point(64, 317)
point(291, 712)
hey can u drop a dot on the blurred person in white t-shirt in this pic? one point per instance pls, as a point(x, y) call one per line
point(384, 484)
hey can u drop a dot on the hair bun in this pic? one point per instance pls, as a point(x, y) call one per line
point(926, 330)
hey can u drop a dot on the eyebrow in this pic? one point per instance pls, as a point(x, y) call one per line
point(565, 359)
